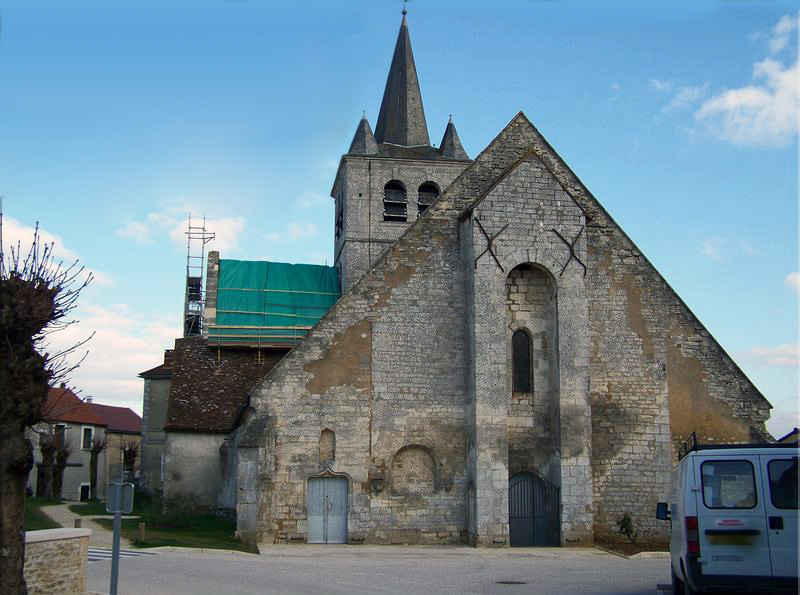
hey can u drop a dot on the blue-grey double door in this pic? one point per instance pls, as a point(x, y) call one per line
point(327, 510)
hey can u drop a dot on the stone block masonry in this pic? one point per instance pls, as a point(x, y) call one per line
point(55, 561)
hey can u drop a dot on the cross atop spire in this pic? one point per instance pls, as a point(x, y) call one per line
point(401, 120)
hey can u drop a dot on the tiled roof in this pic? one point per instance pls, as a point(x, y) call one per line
point(210, 387)
point(162, 371)
point(64, 405)
point(118, 419)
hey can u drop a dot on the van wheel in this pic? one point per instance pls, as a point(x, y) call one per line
point(677, 584)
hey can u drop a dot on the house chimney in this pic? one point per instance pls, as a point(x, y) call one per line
point(88, 398)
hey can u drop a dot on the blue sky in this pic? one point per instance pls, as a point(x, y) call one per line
point(118, 119)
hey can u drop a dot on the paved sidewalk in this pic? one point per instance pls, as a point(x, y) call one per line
point(101, 537)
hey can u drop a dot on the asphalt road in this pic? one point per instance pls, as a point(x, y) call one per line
point(333, 570)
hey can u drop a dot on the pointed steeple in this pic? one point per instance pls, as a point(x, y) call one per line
point(363, 140)
point(451, 144)
point(402, 118)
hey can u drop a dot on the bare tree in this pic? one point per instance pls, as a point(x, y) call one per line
point(130, 450)
point(64, 448)
point(37, 295)
point(99, 444)
point(44, 483)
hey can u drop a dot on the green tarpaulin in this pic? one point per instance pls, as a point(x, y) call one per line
point(270, 302)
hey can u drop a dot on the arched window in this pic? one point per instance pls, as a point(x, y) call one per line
point(427, 193)
point(521, 362)
point(395, 203)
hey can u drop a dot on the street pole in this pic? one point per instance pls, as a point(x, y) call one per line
point(115, 553)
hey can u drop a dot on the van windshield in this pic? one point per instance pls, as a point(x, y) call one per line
point(728, 484)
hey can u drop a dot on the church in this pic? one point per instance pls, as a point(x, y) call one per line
point(491, 360)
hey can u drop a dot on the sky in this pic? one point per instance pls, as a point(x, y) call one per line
point(119, 120)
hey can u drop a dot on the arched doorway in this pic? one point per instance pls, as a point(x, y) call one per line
point(533, 511)
point(326, 502)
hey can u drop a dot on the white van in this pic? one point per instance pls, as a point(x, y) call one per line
point(734, 518)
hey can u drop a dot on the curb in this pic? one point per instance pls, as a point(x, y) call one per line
point(637, 556)
point(194, 550)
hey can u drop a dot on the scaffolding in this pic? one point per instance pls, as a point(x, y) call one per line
point(196, 239)
point(269, 304)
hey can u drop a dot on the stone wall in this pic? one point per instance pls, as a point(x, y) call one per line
point(193, 468)
point(55, 561)
point(657, 376)
point(154, 414)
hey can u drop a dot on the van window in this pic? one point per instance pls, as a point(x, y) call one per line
point(783, 482)
point(728, 484)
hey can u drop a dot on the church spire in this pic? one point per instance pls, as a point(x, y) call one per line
point(451, 145)
point(363, 140)
point(402, 118)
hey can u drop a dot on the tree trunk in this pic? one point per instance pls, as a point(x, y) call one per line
point(58, 480)
point(47, 475)
point(93, 475)
point(16, 460)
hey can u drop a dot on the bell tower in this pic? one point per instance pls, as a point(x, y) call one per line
point(388, 178)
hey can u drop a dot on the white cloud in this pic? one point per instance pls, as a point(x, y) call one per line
point(720, 249)
point(792, 281)
point(660, 86)
point(19, 237)
point(173, 221)
point(16, 233)
point(294, 232)
point(312, 200)
point(782, 33)
point(686, 96)
point(137, 231)
point(125, 343)
point(714, 247)
point(764, 113)
point(782, 355)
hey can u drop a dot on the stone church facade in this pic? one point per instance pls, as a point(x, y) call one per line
point(503, 367)
point(499, 340)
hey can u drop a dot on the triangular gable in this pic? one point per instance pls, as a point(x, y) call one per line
point(597, 216)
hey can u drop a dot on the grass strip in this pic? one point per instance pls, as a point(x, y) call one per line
point(35, 519)
point(194, 531)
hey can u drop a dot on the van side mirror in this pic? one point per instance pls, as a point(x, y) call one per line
point(662, 511)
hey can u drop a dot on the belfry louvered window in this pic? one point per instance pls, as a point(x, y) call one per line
point(395, 202)
point(426, 194)
point(521, 362)
point(339, 217)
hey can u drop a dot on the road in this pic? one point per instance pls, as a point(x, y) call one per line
point(334, 570)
